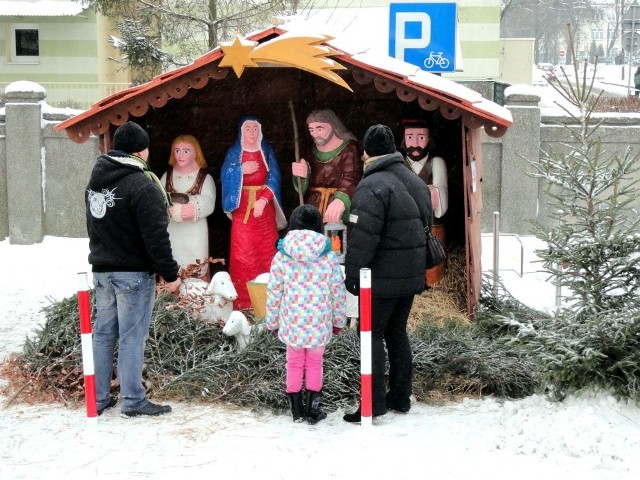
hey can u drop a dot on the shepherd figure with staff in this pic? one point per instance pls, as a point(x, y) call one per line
point(331, 169)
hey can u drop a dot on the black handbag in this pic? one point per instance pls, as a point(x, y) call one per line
point(435, 252)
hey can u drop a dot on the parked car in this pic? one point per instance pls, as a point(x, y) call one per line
point(548, 71)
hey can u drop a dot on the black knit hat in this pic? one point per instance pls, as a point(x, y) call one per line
point(130, 138)
point(306, 217)
point(379, 141)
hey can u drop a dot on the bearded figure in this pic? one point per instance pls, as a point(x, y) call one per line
point(418, 145)
point(331, 169)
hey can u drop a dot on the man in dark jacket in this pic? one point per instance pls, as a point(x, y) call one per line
point(390, 209)
point(129, 243)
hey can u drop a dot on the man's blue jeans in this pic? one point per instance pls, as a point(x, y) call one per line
point(124, 304)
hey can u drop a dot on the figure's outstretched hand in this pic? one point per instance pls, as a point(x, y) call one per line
point(299, 169)
point(249, 167)
point(188, 211)
point(334, 211)
point(258, 207)
point(171, 287)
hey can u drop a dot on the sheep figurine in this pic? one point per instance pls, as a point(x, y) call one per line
point(215, 298)
point(237, 325)
point(222, 295)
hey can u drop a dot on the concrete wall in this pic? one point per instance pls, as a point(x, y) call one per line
point(43, 174)
point(68, 167)
point(508, 186)
point(25, 175)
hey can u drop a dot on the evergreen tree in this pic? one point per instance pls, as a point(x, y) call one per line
point(140, 50)
point(594, 245)
point(156, 35)
point(593, 250)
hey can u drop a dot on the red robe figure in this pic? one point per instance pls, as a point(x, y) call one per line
point(250, 180)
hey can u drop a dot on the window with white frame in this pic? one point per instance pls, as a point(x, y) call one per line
point(25, 43)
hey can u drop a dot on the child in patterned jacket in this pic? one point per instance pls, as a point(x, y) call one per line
point(306, 305)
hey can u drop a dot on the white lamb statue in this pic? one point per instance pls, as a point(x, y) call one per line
point(237, 325)
point(217, 296)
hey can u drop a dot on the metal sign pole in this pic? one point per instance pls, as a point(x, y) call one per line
point(633, 45)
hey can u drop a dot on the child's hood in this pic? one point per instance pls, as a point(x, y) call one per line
point(304, 245)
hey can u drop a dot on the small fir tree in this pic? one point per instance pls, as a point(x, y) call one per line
point(593, 250)
point(593, 246)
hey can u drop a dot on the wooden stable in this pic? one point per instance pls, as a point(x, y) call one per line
point(207, 98)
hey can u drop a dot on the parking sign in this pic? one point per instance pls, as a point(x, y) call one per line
point(424, 34)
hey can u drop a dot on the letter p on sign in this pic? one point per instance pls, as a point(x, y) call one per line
point(405, 36)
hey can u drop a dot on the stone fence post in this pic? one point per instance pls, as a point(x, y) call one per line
point(520, 145)
point(25, 162)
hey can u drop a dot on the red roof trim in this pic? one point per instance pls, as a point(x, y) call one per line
point(433, 92)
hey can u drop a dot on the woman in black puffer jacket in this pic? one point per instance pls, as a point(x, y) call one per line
point(390, 209)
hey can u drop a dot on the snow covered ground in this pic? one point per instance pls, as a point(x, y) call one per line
point(589, 437)
point(592, 436)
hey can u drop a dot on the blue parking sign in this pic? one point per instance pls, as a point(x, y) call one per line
point(424, 34)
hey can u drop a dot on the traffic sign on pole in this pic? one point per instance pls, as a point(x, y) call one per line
point(424, 34)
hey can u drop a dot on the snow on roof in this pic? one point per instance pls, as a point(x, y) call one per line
point(354, 30)
point(361, 29)
point(40, 8)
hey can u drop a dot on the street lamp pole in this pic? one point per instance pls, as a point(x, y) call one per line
point(632, 47)
point(631, 50)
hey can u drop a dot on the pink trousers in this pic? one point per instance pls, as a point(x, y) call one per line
point(307, 363)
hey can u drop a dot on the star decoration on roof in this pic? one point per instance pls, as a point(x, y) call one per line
point(237, 54)
point(305, 52)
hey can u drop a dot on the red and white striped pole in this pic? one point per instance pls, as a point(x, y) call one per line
point(365, 348)
point(84, 307)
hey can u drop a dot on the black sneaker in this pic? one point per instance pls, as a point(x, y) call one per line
point(112, 403)
point(150, 409)
point(356, 417)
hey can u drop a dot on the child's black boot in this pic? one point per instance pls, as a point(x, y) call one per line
point(314, 411)
point(297, 407)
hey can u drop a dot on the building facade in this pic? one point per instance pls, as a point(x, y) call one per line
point(61, 45)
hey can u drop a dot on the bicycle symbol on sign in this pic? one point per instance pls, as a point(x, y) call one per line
point(436, 60)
